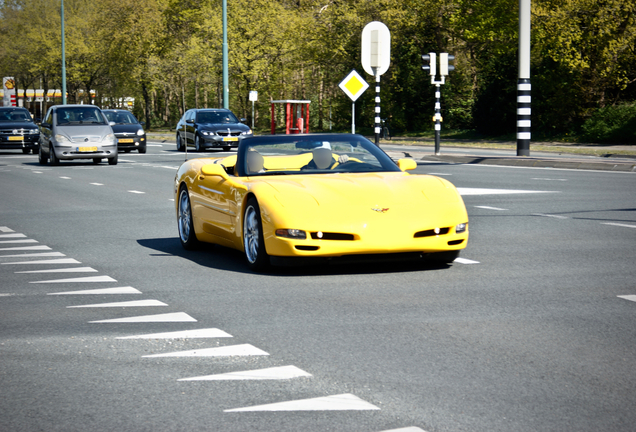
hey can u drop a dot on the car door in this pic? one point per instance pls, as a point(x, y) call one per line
point(46, 131)
point(213, 196)
point(189, 126)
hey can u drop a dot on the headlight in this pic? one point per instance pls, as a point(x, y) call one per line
point(291, 233)
point(206, 133)
point(34, 131)
point(460, 228)
point(109, 139)
point(61, 139)
point(140, 132)
point(248, 132)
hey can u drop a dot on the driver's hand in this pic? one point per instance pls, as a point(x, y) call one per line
point(343, 158)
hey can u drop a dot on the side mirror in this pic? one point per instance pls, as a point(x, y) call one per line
point(111, 123)
point(143, 124)
point(37, 120)
point(406, 164)
point(190, 121)
point(46, 125)
point(243, 120)
point(213, 170)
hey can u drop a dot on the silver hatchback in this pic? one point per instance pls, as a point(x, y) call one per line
point(76, 132)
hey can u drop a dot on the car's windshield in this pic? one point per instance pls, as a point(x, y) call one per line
point(319, 154)
point(14, 115)
point(216, 117)
point(120, 117)
point(79, 116)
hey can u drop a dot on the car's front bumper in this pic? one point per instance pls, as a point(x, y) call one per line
point(131, 143)
point(215, 141)
point(19, 141)
point(88, 151)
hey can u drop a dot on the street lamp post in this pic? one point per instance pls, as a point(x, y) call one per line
point(226, 101)
point(63, 59)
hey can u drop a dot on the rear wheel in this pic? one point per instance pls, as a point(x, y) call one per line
point(185, 222)
point(253, 241)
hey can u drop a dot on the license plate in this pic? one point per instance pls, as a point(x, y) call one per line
point(87, 149)
point(126, 140)
point(15, 138)
point(230, 139)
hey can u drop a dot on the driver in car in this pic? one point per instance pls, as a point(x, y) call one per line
point(324, 159)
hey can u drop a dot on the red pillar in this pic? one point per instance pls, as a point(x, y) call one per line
point(307, 118)
point(273, 121)
point(288, 118)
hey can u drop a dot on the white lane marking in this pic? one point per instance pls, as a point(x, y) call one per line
point(549, 215)
point(97, 184)
point(483, 191)
point(19, 241)
point(16, 235)
point(136, 192)
point(185, 334)
point(53, 261)
point(5, 229)
point(342, 402)
point(65, 178)
point(618, 224)
point(42, 254)
point(548, 179)
point(491, 208)
point(628, 297)
point(133, 303)
point(82, 279)
point(66, 270)
point(154, 145)
point(274, 373)
point(406, 429)
point(440, 174)
point(120, 290)
point(6, 294)
point(465, 261)
point(36, 172)
point(32, 248)
point(225, 351)
point(169, 317)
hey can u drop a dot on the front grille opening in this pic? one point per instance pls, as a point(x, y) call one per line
point(455, 242)
point(431, 233)
point(307, 248)
point(333, 236)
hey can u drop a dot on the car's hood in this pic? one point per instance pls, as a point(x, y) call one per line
point(122, 128)
point(17, 125)
point(81, 133)
point(368, 190)
point(224, 126)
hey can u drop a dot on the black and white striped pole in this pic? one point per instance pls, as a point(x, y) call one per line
point(524, 88)
point(376, 58)
point(430, 64)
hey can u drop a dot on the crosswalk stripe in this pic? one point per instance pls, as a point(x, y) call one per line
point(628, 297)
point(169, 317)
point(184, 334)
point(224, 351)
point(65, 270)
point(18, 241)
point(132, 303)
point(100, 291)
point(30, 248)
point(52, 261)
point(82, 279)
point(39, 254)
point(274, 373)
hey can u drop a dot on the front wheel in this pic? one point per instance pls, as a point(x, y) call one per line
point(41, 158)
point(180, 146)
point(227, 148)
point(197, 143)
point(253, 241)
point(54, 159)
point(185, 222)
point(113, 160)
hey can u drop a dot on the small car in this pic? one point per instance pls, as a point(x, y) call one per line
point(210, 128)
point(76, 132)
point(17, 130)
point(318, 197)
point(128, 130)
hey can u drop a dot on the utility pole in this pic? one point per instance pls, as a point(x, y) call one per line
point(226, 90)
point(523, 84)
point(63, 59)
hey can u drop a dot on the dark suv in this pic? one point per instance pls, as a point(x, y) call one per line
point(17, 130)
point(210, 128)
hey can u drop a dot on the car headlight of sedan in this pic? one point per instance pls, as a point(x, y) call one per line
point(62, 139)
point(140, 132)
point(292, 233)
point(247, 132)
point(460, 228)
point(206, 133)
point(109, 139)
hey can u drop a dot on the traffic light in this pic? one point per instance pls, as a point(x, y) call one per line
point(444, 67)
point(432, 63)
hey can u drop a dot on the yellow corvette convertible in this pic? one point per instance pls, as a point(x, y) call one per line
point(320, 196)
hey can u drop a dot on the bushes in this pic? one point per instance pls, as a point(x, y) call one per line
point(613, 124)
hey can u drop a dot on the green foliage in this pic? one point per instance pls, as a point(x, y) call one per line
point(614, 124)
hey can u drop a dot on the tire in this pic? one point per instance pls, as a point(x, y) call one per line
point(96, 160)
point(180, 146)
point(142, 150)
point(226, 148)
point(41, 158)
point(113, 160)
point(52, 155)
point(253, 240)
point(197, 143)
point(26, 150)
point(185, 223)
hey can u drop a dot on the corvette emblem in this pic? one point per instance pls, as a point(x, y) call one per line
point(380, 210)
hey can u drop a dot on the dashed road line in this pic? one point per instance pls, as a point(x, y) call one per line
point(136, 192)
point(628, 297)
point(28, 255)
point(342, 402)
point(550, 215)
point(491, 208)
point(274, 373)
point(18, 241)
point(184, 334)
point(461, 260)
point(133, 303)
point(484, 191)
point(100, 291)
point(5, 229)
point(89, 279)
point(52, 261)
point(30, 248)
point(168, 317)
point(65, 270)
point(14, 235)
point(618, 224)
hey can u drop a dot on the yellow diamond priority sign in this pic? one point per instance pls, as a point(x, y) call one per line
point(353, 85)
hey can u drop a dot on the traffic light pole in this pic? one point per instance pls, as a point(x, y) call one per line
point(444, 69)
point(438, 118)
point(377, 109)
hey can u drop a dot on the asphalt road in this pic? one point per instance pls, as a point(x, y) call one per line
point(532, 331)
